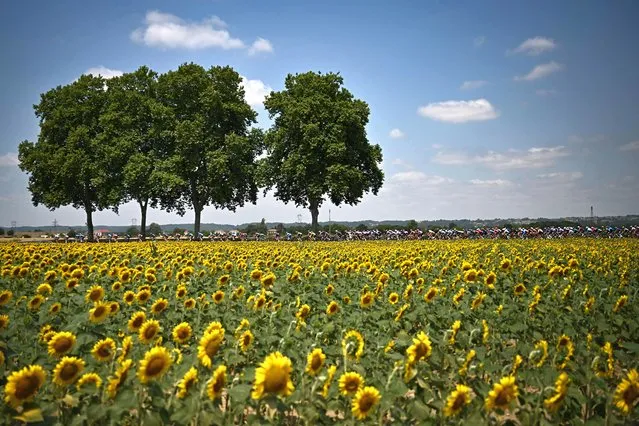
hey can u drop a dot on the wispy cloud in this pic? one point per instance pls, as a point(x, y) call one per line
point(632, 146)
point(9, 159)
point(541, 71)
point(532, 158)
point(479, 41)
point(546, 92)
point(535, 46)
point(459, 111)
point(261, 45)
point(473, 84)
point(489, 182)
point(396, 134)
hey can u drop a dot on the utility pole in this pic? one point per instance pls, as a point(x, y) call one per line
point(55, 226)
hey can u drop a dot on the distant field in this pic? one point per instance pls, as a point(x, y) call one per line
point(538, 332)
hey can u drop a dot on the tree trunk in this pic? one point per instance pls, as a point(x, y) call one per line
point(196, 228)
point(89, 212)
point(314, 215)
point(143, 206)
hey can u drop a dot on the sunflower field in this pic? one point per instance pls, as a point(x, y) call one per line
point(419, 332)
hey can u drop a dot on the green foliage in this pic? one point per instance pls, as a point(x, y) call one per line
point(1, 231)
point(155, 229)
point(317, 147)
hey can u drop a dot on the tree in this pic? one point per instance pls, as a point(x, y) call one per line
point(68, 165)
point(411, 225)
point(215, 151)
point(155, 229)
point(317, 147)
point(10, 232)
point(139, 125)
point(1, 231)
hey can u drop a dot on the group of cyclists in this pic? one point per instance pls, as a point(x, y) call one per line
point(487, 233)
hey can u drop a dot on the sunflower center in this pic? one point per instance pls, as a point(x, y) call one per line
point(99, 311)
point(630, 394)
point(366, 300)
point(459, 401)
point(155, 366)
point(275, 380)
point(366, 402)
point(247, 340)
point(137, 322)
point(95, 295)
point(351, 385)
point(104, 351)
point(150, 332)
point(69, 371)
point(420, 351)
point(62, 345)
point(260, 302)
point(219, 384)
point(316, 362)
point(502, 398)
point(211, 348)
point(26, 387)
point(183, 333)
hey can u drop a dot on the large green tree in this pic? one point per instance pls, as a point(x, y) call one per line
point(317, 147)
point(69, 163)
point(215, 148)
point(139, 125)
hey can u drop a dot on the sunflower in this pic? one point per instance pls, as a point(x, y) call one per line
point(120, 377)
point(353, 350)
point(143, 296)
point(430, 294)
point(519, 289)
point(346, 300)
point(94, 294)
point(459, 295)
point(238, 292)
point(215, 386)
point(365, 399)
point(453, 332)
point(214, 326)
point(189, 303)
point(116, 286)
point(505, 264)
point(5, 297)
point(67, 370)
point(61, 343)
point(268, 280)
point(182, 332)
point(159, 306)
point(256, 274)
point(620, 303)
point(223, 280)
point(180, 292)
point(2, 358)
point(469, 357)
point(128, 297)
point(44, 289)
point(209, 345)
point(366, 300)
point(260, 301)
point(470, 276)
point(136, 321)
point(393, 298)
point(4, 321)
point(477, 300)
point(502, 394)
point(148, 331)
point(540, 353)
point(627, 393)
point(273, 376)
point(104, 350)
point(303, 312)
point(490, 280)
point(561, 389)
point(99, 312)
point(156, 362)
point(23, 385)
point(127, 343)
point(420, 349)
point(35, 302)
point(457, 399)
point(245, 340)
point(187, 382)
point(330, 373)
point(332, 308)
point(55, 308)
point(329, 289)
point(315, 361)
point(89, 378)
point(218, 297)
point(350, 383)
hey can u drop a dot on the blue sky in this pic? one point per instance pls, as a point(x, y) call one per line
point(483, 109)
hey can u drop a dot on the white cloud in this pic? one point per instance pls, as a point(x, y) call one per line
point(632, 146)
point(421, 178)
point(535, 46)
point(255, 91)
point(541, 71)
point(396, 134)
point(9, 159)
point(104, 72)
point(546, 92)
point(561, 176)
point(479, 41)
point(488, 183)
point(261, 45)
point(531, 159)
point(437, 146)
point(473, 84)
point(459, 111)
point(164, 30)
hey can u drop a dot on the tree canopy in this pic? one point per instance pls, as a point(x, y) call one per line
point(317, 148)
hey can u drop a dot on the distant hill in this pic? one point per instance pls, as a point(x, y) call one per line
point(440, 223)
